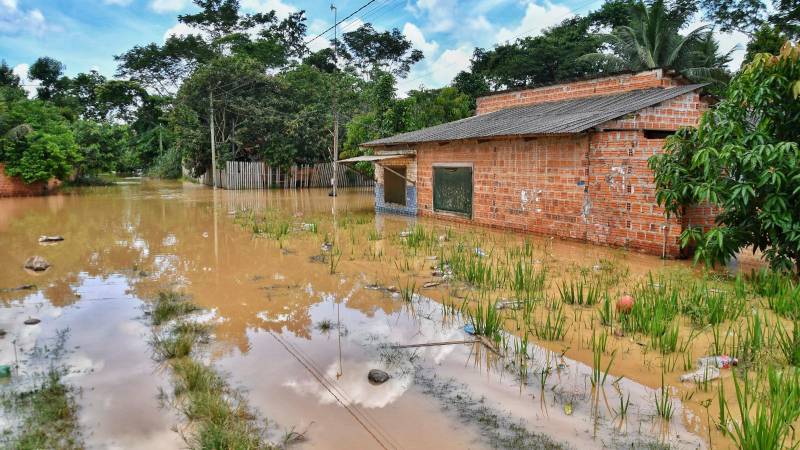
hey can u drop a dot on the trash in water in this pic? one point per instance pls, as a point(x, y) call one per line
point(722, 361)
point(479, 251)
point(5, 371)
point(469, 329)
point(509, 304)
point(307, 226)
point(568, 408)
point(708, 368)
point(326, 247)
point(31, 321)
point(405, 234)
point(44, 239)
point(625, 304)
point(701, 375)
point(432, 258)
point(443, 238)
point(374, 287)
point(431, 284)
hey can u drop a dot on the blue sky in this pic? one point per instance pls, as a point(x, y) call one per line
point(86, 34)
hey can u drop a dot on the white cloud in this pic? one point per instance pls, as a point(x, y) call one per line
point(537, 18)
point(479, 23)
point(315, 27)
point(14, 20)
point(163, 6)
point(21, 70)
point(118, 2)
point(417, 38)
point(449, 63)
point(440, 14)
point(281, 9)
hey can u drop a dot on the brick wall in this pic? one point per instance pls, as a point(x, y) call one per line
point(594, 188)
point(579, 89)
point(682, 111)
point(15, 187)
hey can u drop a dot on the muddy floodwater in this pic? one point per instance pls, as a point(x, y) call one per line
point(297, 339)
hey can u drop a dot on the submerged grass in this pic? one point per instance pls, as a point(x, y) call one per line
point(170, 305)
point(218, 415)
point(48, 414)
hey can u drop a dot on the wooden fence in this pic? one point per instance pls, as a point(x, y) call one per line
point(258, 175)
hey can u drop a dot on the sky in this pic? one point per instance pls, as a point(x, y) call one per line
point(86, 34)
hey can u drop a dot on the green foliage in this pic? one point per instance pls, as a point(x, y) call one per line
point(743, 157)
point(101, 146)
point(36, 142)
point(652, 39)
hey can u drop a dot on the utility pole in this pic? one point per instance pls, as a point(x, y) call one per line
point(335, 110)
point(213, 143)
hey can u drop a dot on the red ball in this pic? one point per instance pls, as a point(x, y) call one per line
point(625, 304)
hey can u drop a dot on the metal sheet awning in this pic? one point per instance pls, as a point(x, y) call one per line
point(371, 158)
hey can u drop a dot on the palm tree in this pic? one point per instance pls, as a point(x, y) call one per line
point(651, 40)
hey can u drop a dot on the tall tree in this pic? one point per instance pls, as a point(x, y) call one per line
point(368, 51)
point(49, 72)
point(651, 40)
point(7, 76)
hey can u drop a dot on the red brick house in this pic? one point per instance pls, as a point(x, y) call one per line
point(567, 160)
point(15, 187)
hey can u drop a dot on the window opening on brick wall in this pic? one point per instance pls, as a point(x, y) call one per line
point(657, 134)
point(394, 185)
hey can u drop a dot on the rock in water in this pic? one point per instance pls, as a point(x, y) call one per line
point(37, 264)
point(376, 376)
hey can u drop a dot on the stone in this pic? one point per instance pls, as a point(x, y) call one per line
point(37, 264)
point(31, 321)
point(377, 376)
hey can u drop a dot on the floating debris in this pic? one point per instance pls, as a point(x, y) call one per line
point(431, 284)
point(2, 333)
point(45, 239)
point(37, 264)
point(432, 258)
point(509, 304)
point(443, 238)
point(469, 329)
point(405, 234)
point(479, 252)
point(24, 287)
point(326, 246)
point(308, 226)
point(31, 321)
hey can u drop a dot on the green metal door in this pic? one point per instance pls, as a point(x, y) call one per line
point(452, 189)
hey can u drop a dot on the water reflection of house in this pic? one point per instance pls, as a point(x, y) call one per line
point(568, 160)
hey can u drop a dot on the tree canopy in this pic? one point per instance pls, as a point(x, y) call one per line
point(744, 158)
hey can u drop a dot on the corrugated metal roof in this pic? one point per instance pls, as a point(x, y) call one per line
point(560, 117)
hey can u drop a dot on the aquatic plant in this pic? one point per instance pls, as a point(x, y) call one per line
point(766, 411)
point(47, 413)
point(553, 327)
point(664, 407)
point(408, 290)
point(169, 305)
point(335, 255)
point(486, 320)
point(599, 375)
point(579, 293)
point(789, 342)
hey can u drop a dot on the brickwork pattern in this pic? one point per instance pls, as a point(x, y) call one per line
point(15, 187)
point(579, 89)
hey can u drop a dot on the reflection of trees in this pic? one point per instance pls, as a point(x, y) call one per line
point(162, 236)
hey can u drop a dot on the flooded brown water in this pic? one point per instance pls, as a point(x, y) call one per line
point(270, 302)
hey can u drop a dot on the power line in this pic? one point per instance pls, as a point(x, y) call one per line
point(337, 23)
